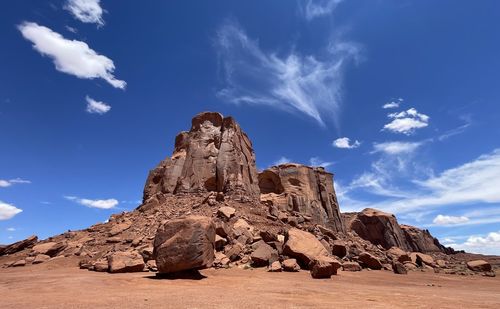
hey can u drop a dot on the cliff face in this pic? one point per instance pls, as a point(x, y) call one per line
point(215, 155)
point(381, 228)
point(303, 189)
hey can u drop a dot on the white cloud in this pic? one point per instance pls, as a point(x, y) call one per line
point(70, 56)
point(293, 82)
point(473, 182)
point(449, 220)
point(345, 143)
point(96, 107)
point(394, 148)
point(281, 160)
point(406, 122)
point(10, 229)
point(8, 183)
point(315, 161)
point(489, 244)
point(102, 204)
point(392, 104)
point(86, 11)
point(318, 8)
point(71, 29)
point(7, 211)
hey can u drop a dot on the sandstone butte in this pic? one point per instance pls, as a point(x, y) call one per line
point(207, 206)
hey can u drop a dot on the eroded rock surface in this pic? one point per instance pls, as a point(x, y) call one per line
point(296, 188)
point(215, 155)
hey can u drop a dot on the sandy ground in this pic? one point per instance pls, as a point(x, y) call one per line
point(53, 285)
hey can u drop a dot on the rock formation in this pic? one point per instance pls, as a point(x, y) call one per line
point(378, 227)
point(215, 155)
point(302, 189)
point(381, 228)
point(422, 241)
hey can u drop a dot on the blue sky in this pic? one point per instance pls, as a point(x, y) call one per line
point(399, 99)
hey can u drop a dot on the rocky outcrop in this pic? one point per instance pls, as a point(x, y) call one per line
point(184, 243)
point(422, 241)
point(479, 265)
point(302, 189)
point(215, 155)
point(18, 246)
point(378, 227)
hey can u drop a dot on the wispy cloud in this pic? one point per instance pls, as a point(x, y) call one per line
point(394, 148)
point(316, 161)
point(70, 56)
point(406, 122)
point(294, 82)
point(96, 107)
point(393, 104)
point(281, 160)
point(473, 182)
point(7, 183)
point(102, 204)
point(449, 220)
point(345, 143)
point(317, 8)
point(7, 211)
point(86, 11)
point(10, 229)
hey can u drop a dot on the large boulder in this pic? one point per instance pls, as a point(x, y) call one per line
point(184, 243)
point(125, 262)
point(422, 259)
point(324, 267)
point(303, 246)
point(370, 261)
point(479, 265)
point(264, 255)
point(18, 246)
point(215, 155)
point(379, 228)
point(303, 189)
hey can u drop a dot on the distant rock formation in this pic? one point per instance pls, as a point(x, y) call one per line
point(378, 227)
point(302, 189)
point(422, 240)
point(381, 228)
point(215, 155)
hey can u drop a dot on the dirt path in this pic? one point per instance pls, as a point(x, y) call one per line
point(39, 286)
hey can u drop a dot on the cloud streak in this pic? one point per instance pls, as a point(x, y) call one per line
point(86, 11)
point(8, 211)
point(70, 56)
point(96, 107)
point(293, 82)
point(102, 204)
point(8, 183)
point(312, 9)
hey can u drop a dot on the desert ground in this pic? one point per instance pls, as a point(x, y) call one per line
point(59, 284)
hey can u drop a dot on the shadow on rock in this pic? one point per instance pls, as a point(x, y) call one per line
point(186, 275)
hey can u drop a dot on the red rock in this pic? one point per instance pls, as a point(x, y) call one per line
point(399, 255)
point(226, 212)
point(40, 258)
point(18, 246)
point(370, 261)
point(422, 241)
point(291, 265)
point(422, 259)
point(303, 246)
point(399, 268)
point(339, 248)
point(49, 248)
point(184, 243)
point(303, 189)
point(215, 155)
point(264, 255)
point(324, 267)
point(275, 267)
point(378, 227)
point(351, 266)
point(125, 262)
point(479, 265)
